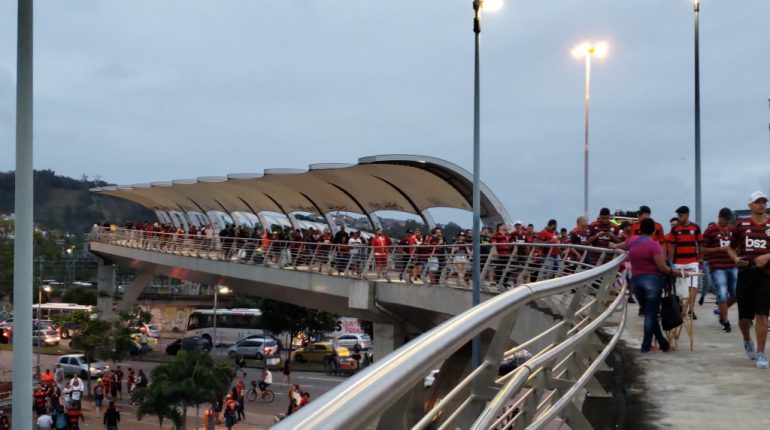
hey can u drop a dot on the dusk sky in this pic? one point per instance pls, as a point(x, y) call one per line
point(139, 91)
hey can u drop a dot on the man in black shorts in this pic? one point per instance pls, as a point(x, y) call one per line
point(750, 250)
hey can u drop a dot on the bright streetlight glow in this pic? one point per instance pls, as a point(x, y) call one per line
point(224, 290)
point(587, 48)
point(491, 5)
point(47, 288)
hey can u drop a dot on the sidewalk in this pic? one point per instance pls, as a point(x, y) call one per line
point(715, 386)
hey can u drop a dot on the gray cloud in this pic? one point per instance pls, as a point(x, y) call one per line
point(140, 91)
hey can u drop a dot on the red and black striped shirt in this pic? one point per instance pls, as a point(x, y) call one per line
point(717, 237)
point(686, 240)
point(504, 242)
point(601, 231)
point(750, 240)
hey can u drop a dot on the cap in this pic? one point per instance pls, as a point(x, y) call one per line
point(644, 209)
point(682, 210)
point(99, 380)
point(517, 222)
point(725, 213)
point(756, 195)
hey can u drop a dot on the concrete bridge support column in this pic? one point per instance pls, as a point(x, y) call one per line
point(387, 338)
point(105, 288)
point(134, 289)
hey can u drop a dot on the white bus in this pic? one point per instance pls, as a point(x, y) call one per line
point(232, 324)
point(58, 311)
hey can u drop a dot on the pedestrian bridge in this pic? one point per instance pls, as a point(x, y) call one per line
point(555, 310)
point(545, 309)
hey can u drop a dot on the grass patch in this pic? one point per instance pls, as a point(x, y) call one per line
point(49, 350)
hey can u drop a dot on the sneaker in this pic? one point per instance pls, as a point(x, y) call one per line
point(748, 346)
point(700, 301)
point(761, 361)
point(726, 327)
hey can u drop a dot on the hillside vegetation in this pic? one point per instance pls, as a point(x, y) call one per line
point(65, 204)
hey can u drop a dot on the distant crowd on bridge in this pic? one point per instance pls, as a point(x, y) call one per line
point(730, 256)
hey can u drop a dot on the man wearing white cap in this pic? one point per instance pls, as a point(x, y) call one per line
point(750, 250)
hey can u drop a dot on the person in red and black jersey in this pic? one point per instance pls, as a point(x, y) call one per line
point(750, 250)
point(548, 235)
point(503, 246)
point(685, 242)
point(601, 233)
point(645, 212)
point(724, 274)
point(519, 238)
point(578, 236)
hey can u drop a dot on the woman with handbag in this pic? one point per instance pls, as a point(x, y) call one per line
point(649, 271)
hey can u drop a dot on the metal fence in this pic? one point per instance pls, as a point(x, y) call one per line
point(546, 389)
point(503, 265)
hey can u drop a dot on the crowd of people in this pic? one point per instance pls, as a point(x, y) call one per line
point(731, 255)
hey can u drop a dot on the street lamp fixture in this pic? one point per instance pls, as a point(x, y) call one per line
point(217, 291)
point(587, 50)
point(478, 6)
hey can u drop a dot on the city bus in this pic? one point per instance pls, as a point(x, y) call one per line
point(58, 311)
point(232, 325)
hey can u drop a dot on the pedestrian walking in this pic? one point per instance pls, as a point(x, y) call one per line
point(44, 422)
point(74, 417)
point(39, 398)
point(750, 251)
point(287, 371)
point(58, 377)
point(98, 396)
point(111, 416)
point(230, 407)
point(67, 395)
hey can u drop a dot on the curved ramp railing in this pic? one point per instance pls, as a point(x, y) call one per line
point(548, 387)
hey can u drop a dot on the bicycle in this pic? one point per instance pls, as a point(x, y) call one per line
point(254, 392)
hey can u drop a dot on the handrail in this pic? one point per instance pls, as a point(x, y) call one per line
point(427, 264)
point(366, 396)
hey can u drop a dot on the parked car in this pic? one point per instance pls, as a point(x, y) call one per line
point(190, 343)
point(319, 352)
point(45, 337)
point(350, 340)
point(76, 364)
point(264, 337)
point(258, 348)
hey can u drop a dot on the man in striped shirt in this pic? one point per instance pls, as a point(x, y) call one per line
point(685, 241)
point(750, 250)
point(724, 274)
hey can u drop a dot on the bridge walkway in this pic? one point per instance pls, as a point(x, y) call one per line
point(715, 386)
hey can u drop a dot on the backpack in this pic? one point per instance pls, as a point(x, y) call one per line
point(61, 421)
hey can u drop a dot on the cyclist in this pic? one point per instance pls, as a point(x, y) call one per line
point(266, 378)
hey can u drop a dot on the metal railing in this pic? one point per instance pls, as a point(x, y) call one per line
point(504, 265)
point(549, 386)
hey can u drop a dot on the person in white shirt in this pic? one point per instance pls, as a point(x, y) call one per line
point(267, 379)
point(44, 422)
point(77, 388)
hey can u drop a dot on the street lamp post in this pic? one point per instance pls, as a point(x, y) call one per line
point(217, 291)
point(47, 289)
point(478, 6)
point(587, 49)
point(696, 10)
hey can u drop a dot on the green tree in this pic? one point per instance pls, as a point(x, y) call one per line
point(100, 339)
point(190, 379)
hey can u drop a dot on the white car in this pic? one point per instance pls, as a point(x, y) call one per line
point(258, 348)
point(45, 337)
point(430, 379)
point(350, 340)
point(76, 364)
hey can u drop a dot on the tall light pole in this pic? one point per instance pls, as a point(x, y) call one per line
point(217, 290)
point(696, 9)
point(22, 244)
point(587, 49)
point(478, 6)
point(47, 289)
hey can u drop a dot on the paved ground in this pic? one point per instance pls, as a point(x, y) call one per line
point(259, 415)
point(715, 386)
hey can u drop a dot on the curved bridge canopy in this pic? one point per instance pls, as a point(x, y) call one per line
point(404, 183)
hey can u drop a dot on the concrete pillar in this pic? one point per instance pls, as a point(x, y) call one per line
point(105, 287)
point(134, 289)
point(387, 338)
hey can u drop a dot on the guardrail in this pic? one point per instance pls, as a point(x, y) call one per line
point(504, 265)
point(549, 386)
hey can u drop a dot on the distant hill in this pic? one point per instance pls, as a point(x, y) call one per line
point(65, 203)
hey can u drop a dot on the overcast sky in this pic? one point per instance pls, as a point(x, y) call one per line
point(139, 91)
